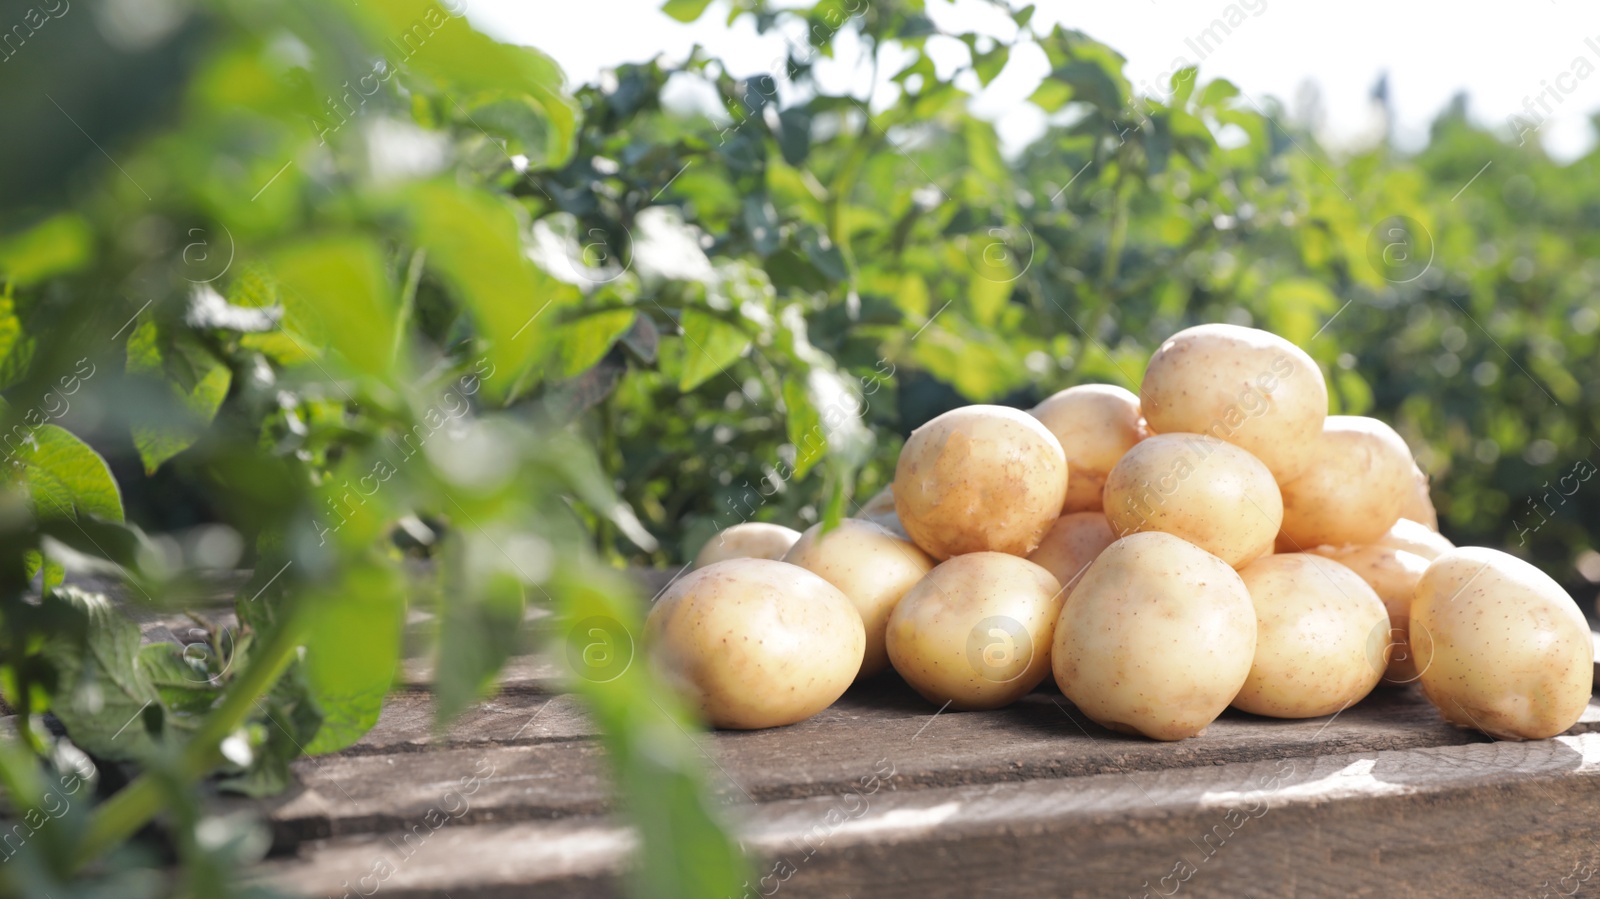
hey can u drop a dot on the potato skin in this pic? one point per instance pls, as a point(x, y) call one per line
point(1353, 492)
point(1156, 639)
point(1415, 537)
point(980, 479)
point(755, 643)
point(1096, 424)
point(976, 631)
point(1074, 541)
point(1204, 490)
point(1501, 646)
point(747, 540)
point(872, 566)
point(1392, 574)
point(1418, 504)
point(1322, 637)
point(1249, 387)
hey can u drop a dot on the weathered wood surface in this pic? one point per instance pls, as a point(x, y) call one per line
point(1029, 800)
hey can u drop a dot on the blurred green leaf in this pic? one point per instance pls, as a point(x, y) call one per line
point(352, 652)
point(199, 380)
point(344, 295)
point(65, 477)
point(710, 346)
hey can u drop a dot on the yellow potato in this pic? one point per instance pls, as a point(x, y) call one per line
point(1156, 638)
point(980, 478)
point(871, 566)
point(747, 540)
point(1501, 647)
point(1392, 574)
point(1322, 637)
point(1096, 424)
point(1071, 544)
point(1416, 538)
point(976, 631)
point(1353, 491)
point(755, 643)
point(881, 503)
point(1246, 386)
point(1208, 492)
point(1418, 504)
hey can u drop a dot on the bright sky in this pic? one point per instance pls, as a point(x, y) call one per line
point(1504, 54)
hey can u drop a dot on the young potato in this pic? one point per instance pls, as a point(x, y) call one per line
point(1246, 386)
point(1096, 424)
point(1414, 537)
point(976, 631)
point(1208, 492)
point(1322, 637)
point(871, 566)
point(1392, 574)
point(747, 540)
point(1156, 638)
point(756, 643)
point(1501, 647)
point(1353, 491)
point(1074, 541)
point(881, 503)
point(980, 478)
point(1418, 503)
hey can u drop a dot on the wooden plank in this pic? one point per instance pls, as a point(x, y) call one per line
point(544, 767)
point(1477, 819)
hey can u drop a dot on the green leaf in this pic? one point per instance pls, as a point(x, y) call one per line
point(352, 652)
point(341, 284)
point(462, 61)
point(587, 340)
point(102, 690)
point(524, 123)
point(804, 427)
point(480, 623)
point(989, 65)
point(53, 247)
point(710, 346)
point(16, 348)
point(196, 378)
point(474, 245)
point(685, 10)
point(685, 852)
point(66, 478)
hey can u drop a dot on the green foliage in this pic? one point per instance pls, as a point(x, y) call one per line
point(438, 337)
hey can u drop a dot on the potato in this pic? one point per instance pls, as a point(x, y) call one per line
point(1418, 503)
point(1354, 489)
point(881, 503)
point(1156, 638)
point(1096, 424)
point(1249, 387)
point(1416, 538)
point(871, 566)
point(880, 510)
point(1501, 647)
point(755, 643)
point(976, 631)
point(747, 540)
point(1322, 637)
point(1208, 492)
point(979, 479)
point(1071, 544)
point(1392, 574)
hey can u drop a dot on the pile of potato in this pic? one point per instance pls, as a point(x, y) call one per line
point(1217, 540)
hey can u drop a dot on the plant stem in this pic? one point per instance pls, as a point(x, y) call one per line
point(408, 301)
point(123, 814)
